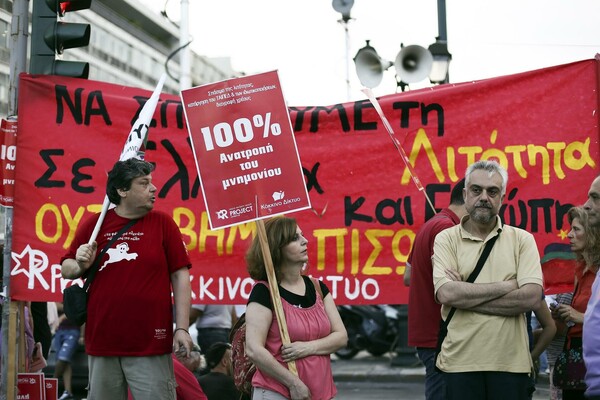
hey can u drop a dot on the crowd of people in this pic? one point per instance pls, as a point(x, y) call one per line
point(474, 283)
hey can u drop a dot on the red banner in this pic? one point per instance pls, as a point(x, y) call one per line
point(8, 156)
point(245, 150)
point(541, 125)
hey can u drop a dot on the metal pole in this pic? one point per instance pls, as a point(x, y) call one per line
point(185, 81)
point(348, 87)
point(19, 31)
point(405, 355)
point(442, 34)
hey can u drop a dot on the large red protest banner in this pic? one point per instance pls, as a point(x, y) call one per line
point(541, 125)
point(244, 149)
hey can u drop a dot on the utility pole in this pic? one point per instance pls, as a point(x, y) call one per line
point(344, 7)
point(442, 34)
point(347, 56)
point(19, 31)
point(185, 81)
point(49, 36)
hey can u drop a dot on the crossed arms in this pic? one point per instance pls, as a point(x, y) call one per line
point(504, 298)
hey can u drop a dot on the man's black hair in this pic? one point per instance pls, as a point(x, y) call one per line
point(215, 353)
point(122, 174)
point(456, 196)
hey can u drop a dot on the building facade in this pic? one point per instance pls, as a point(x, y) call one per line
point(129, 45)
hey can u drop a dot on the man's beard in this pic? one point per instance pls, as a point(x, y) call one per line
point(480, 216)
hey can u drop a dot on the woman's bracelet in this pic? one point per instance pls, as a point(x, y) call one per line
point(181, 329)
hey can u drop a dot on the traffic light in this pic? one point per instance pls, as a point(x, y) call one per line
point(50, 36)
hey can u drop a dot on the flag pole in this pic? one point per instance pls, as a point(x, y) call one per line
point(388, 127)
point(134, 144)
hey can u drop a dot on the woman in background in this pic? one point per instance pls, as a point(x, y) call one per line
point(313, 322)
point(585, 243)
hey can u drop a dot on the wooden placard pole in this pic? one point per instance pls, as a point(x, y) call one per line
point(11, 373)
point(274, 289)
point(22, 364)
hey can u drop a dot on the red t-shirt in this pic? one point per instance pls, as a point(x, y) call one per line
point(188, 387)
point(129, 304)
point(423, 311)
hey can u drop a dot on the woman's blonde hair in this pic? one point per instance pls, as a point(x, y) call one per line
point(590, 255)
point(280, 232)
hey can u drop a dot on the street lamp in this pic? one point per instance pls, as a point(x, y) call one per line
point(439, 50)
point(441, 61)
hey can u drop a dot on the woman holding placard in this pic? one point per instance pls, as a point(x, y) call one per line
point(313, 322)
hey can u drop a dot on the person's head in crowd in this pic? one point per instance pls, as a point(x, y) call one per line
point(584, 238)
point(456, 195)
point(592, 205)
point(218, 358)
point(123, 174)
point(280, 231)
point(195, 361)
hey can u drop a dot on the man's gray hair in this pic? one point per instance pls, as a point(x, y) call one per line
point(491, 167)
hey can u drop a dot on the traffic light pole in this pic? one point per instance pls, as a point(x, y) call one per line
point(49, 37)
point(43, 26)
point(19, 28)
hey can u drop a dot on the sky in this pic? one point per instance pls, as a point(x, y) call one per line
point(313, 51)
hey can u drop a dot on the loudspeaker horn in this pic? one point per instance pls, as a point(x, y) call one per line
point(413, 63)
point(370, 66)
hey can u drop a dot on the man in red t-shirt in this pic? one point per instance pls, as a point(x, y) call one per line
point(188, 387)
point(423, 311)
point(129, 332)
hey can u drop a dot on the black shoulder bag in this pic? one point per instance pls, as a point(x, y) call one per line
point(75, 296)
point(444, 324)
point(569, 368)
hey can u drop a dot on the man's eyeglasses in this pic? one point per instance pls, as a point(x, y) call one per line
point(478, 191)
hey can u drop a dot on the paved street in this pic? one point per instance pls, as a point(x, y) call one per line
point(366, 376)
point(380, 390)
point(369, 377)
point(404, 390)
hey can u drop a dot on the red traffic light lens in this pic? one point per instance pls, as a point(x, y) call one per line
point(74, 5)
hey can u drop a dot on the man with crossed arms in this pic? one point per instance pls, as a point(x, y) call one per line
point(486, 352)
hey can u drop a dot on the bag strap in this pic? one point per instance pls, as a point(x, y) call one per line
point(94, 268)
point(238, 324)
point(569, 326)
point(482, 259)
